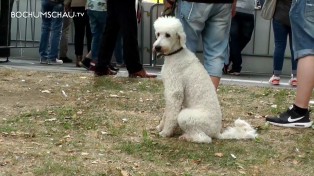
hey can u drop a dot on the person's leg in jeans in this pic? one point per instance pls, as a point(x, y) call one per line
point(281, 32)
point(97, 23)
point(192, 24)
point(45, 32)
point(280, 37)
point(55, 35)
point(212, 22)
point(216, 40)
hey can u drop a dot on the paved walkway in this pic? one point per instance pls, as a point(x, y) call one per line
point(246, 79)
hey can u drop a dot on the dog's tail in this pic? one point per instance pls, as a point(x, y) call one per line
point(241, 130)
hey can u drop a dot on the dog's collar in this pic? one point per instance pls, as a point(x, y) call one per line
point(174, 52)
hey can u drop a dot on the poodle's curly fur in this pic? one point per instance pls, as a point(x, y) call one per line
point(191, 99)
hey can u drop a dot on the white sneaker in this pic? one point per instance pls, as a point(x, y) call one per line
point(293, 81)
point(55, 62)
point(274, 80)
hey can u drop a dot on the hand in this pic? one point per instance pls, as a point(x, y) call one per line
point(159, 128)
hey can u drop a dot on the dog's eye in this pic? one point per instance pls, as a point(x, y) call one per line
point(167, 35)
point(158, 34)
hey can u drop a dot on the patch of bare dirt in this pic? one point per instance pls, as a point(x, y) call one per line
point(74, 124)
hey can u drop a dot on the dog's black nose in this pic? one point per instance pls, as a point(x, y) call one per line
point(158, 48)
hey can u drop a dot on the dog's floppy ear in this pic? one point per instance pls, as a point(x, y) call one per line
point(182, 38)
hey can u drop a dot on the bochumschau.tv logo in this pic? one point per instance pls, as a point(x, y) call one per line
point(26, 14)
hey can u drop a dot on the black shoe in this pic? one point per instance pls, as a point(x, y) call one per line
point(113, 68)
point(120, 65)
point(233, 72)
point(104, 72)
point(225, 69)
point(86, 63)
point(142, 74)
point(66, 59)
point(290, 118)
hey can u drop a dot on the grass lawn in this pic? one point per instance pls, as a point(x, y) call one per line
point(75, 124)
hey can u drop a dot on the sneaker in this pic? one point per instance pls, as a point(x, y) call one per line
point(92, 66)
point(291, 119)
point(113, 68)
point(120, 65)
point(293, 81)
point(55, 62)
point(85, 63)
point(232, 72)
point(274, 80)
point(66, 60)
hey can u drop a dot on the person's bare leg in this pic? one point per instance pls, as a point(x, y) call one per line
point(215, 80)
point(305, 77)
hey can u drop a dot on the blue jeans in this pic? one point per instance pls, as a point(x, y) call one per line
point(280, 36)
point(242, 26)
point(302, 24)
point(51, 28)
point(97, 20)
point(212, 23)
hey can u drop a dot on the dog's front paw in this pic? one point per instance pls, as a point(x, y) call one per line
point(164, 133)
point(159, 128)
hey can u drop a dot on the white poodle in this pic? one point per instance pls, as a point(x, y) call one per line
point(191, 99)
